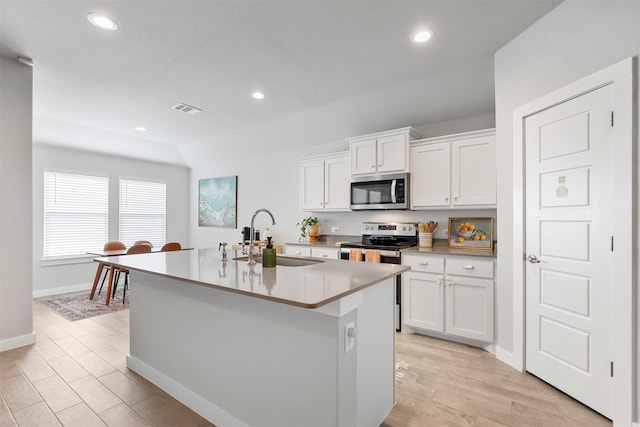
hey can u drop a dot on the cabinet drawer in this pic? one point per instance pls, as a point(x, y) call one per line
point(298, 250)
point(472, 267)
point(424, 263)
point(329, 253)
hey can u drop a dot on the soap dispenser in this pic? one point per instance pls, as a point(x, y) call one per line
point(268, 253)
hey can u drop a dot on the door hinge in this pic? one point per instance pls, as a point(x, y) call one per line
point(611, 363)
point(612, 119)
point(611, 243)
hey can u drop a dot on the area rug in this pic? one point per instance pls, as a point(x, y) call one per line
point(77, 305)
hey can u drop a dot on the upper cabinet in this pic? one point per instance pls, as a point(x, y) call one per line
point(454, 171)
point(324, 183)
point(381, 152)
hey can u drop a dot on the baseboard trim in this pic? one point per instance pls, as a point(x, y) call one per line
point(62, 290)
point(507, 357)
point(194, 401)
point(15, 342)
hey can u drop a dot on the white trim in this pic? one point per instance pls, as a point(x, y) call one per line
point(621, 76)
point(66, 260)
point(507, 357)
point(194, 401)
point(15, 342)
point(455, 137)
point(62, 290)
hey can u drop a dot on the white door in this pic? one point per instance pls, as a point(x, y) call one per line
point(392, 154)
point(312, 181)
point(430, 171)
point(569, 229)
point(336, 183)
point(473, 171)
point(363, 157)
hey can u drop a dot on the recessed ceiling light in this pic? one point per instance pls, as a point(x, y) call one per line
point(141, 129)
point(258, 95)
point(422, 36)
point(102, 21)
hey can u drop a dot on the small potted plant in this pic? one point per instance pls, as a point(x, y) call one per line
point(309, 226)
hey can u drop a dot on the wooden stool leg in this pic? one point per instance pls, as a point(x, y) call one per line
point(95, 281)
point(108, 295)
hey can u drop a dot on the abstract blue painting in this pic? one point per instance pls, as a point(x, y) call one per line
point(217, 202)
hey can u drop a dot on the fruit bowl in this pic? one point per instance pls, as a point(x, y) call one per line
point(466, 233)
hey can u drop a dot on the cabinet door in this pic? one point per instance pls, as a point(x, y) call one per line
point(430, 175)
point(298, 250)
point(327, 253)
point(469, 307)
point(336, 183)
point(363, 157)
point(473, 174)
point(312, 185)
point(392, 154)
point(422, 301)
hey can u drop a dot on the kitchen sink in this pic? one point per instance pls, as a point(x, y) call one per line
point(285, 261)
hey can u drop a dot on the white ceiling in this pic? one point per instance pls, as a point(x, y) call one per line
point(330, 69)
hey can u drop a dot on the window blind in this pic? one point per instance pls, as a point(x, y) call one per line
point(142, 211)
point(76, 213)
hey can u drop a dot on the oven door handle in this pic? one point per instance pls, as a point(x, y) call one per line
point(393, 191)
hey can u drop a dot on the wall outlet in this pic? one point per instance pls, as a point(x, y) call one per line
point(349, 336)
point(335, 229)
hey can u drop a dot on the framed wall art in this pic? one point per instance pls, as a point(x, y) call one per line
point(471, 233)
point(218, 202)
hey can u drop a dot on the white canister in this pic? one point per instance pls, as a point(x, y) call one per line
point(425, 240)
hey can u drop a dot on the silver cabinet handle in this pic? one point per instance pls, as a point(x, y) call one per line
point(423, 263)
point(533, 259)
point(380, 165)
point(446, 199)
point(373, 166)
point(324, 255)
point(450, 283)
point(299, 253)
point(455, 198)
point(469, 267)
point(440, 282)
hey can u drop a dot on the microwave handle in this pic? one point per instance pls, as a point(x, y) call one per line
point(393, 191)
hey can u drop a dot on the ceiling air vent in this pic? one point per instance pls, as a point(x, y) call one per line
point(187, 109)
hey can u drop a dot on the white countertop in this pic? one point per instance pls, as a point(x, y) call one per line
point(310, 286)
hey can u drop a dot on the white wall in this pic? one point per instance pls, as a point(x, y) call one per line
point(574, 40)
point(53, 279)
point(16, 323)
point(272, 181)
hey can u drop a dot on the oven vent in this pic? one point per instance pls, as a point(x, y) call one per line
point(188, 109)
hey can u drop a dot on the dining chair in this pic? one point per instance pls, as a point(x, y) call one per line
point(135, 249)
point(171, 246)
point(143, 242)
point(109, 246)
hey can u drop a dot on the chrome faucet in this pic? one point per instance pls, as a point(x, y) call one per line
point(251, 253)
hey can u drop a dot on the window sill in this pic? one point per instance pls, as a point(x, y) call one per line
point(65, 260)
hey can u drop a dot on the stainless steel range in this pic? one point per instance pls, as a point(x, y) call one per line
point(389, 239)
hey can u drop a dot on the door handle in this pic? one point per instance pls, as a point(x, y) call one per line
point(533, 259)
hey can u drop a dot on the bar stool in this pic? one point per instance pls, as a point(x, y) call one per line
point(109, 246)
point(171, 246)
point(135, 249)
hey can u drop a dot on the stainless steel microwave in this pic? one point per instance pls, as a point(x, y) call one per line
point(380, 192)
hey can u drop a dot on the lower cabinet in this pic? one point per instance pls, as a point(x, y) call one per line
point(451, 295)
point(312, 251)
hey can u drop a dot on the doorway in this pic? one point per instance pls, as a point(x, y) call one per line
point(573, 258)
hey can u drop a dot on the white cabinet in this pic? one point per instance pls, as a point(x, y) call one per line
point(454, 171)
point(324, 183)
point(382, 152)
point(450, 295)
point(324, 252)
point(297, 250)
point(312, 251)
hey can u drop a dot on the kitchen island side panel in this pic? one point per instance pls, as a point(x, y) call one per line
point(246, 360)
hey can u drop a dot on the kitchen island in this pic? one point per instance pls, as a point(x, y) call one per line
point(245, 345)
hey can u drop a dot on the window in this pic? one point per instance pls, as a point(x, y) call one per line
point(76, 213)
point(142, 211)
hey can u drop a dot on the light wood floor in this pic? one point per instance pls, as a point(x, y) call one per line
point(75, 375)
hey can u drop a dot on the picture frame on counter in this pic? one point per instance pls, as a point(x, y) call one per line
point(218, 202)
point(471, 233)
